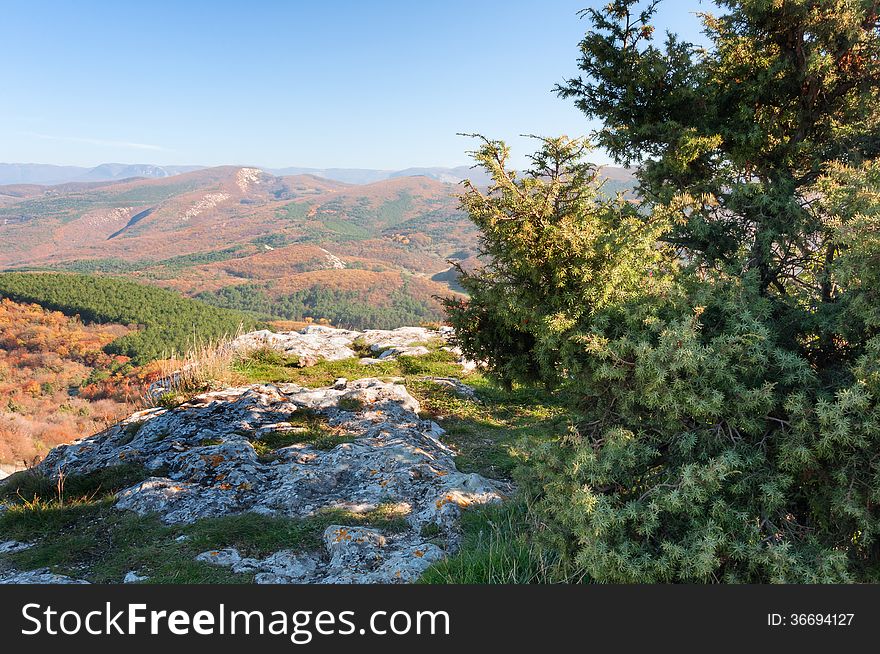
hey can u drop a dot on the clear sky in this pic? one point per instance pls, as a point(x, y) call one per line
point(329, 83)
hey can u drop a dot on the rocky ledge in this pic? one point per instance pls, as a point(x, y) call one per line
point(319, 343)
point(218, 454)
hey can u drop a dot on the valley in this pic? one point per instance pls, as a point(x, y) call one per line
point(228, 232)
point(292, 246)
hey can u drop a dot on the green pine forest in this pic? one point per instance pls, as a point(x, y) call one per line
point(169, 323)
point(342, 308)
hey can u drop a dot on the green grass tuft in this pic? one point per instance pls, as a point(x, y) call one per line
point(350, 404)
point(33, 486)
point(498, 547)
point(88, 538)
point(308, 426)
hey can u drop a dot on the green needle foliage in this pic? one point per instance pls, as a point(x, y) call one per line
point(719, 343)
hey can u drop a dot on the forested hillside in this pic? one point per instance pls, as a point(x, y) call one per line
point(164, 321)
point(223, 232)
point(56, 382)
point(373, 307)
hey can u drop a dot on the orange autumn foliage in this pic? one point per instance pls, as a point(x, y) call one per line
point(46, 360)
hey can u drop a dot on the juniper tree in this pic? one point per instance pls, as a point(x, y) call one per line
point(719, 342)
point(747, 128)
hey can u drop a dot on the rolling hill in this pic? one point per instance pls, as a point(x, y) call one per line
point(286, 246)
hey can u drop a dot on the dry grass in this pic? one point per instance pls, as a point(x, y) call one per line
point(204, 367)
point(289, 325)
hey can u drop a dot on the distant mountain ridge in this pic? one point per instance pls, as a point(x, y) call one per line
point(48, 174)
point(371, 176)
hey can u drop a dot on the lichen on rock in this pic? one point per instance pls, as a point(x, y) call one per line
point(321, 343)
point(205, 464)
point(352, 555)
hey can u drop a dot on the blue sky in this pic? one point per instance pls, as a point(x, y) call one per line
point(337, 83)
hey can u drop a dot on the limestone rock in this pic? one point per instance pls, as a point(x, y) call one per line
point(226, 557)
point(209, 467)
point(310, 345)
point(41, 576)
point(404, 351)
point(317, 342)
point(380, 340)
point(10, 546)
point(178, 501)
point(456, 386)
point(353, 555)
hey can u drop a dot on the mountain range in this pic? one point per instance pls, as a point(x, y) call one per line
point(359, 254)
point(47, 174)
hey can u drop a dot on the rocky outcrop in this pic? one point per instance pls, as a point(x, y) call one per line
point(41, 576)
point(245, 449)
point(310, 345)
point(10, 546)
point(318, 343)
point(379, 340)
point(206, 463)
point(353, 555)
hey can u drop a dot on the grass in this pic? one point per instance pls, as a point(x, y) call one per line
point(350, 404)
point(85, 537)
point(205, 366)
point(490, 436)
point(308, 426)
point(30, 486)
point(273, 366)
point(499, 542)
point(499, 547)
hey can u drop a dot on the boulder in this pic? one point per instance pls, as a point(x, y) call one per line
point(379, 340)
point(310, 345)
point(456, 386)
point(10, 546)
